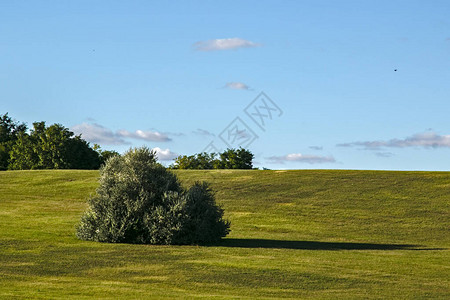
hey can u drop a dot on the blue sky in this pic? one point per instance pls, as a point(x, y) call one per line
point(178, 76)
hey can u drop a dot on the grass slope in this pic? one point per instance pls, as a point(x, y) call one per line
point(295, 234)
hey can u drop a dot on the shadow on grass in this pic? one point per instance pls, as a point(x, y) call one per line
point(310, 245)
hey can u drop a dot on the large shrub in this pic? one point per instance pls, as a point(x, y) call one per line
point(140, 201)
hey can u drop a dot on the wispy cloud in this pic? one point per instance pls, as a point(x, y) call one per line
point(96, 133)
point(237, 86)
point(224, 44)
point(316, 147)
point(164, 154)
point(427, 139)
point(173, 133)
point(298, 157)
point(203, 132)
point(384, 154)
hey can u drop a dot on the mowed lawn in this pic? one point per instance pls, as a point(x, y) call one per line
point(295, 234)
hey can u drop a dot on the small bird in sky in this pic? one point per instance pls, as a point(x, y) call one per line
point(395, 70)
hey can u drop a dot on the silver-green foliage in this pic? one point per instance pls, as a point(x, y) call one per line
point(140, 201)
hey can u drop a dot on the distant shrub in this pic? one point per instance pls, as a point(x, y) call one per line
point(140, 201)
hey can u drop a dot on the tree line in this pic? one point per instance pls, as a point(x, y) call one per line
point(56, 147)
point(229, 159)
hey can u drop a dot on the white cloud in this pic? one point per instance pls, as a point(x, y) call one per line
point(165, 154)
point(237, 86)
point(298, 157)
point(224, 44)
point(427, 139)
point(151, 136)
point(96, 133)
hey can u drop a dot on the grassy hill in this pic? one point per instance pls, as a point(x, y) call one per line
point(295, 234)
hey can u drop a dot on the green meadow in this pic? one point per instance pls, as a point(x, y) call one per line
point(294, 234)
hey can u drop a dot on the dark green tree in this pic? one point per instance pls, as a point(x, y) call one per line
point(52, 147)
point(200, 161)
point(236, 159)
point(22, 154)
point(9, 133)
point(185, 162)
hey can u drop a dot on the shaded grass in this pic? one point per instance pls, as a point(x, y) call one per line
point(311, 245)
point(295, 234)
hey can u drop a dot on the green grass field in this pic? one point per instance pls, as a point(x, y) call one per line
point(295, 234)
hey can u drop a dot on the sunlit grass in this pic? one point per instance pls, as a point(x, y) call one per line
point(295, 234)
